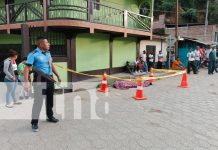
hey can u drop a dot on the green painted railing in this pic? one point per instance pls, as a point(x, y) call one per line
point(26, 11)
point(112, 16)
point(137, 21)
point(75, 9)
point(3, 19)
point(108, 15)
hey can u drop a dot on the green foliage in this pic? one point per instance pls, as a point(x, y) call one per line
point(190, 15)
point(213, 12)
point(189, 9)
point(168, 5)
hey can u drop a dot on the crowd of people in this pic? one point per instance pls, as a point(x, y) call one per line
point(196, 58)
point(143, 63)
point(202, 57)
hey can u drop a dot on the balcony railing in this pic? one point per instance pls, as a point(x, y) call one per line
point(27, 11)
point(74, 9)
point(108, 15)
point(3, 19)
point(77, 9)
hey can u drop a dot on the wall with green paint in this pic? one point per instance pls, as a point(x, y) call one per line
point(92, 52)
point(10, 39)
point(123, 50)
point(2, 3)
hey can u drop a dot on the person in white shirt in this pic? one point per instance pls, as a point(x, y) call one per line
point(191, 61)
point(150, 61)
point(160, 60)
point(208, 53)
point(197, 58)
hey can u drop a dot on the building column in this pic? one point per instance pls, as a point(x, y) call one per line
point(138, 47)
point(71, 56)
point(111, 40)
point(25, 40)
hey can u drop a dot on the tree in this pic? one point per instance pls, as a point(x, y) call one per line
point(191, 11)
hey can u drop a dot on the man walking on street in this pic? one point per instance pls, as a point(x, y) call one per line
point(40, 59)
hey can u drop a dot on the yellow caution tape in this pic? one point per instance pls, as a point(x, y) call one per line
point(174, 73)
point(76, 72)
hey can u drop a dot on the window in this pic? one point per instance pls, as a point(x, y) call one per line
point(56, 39)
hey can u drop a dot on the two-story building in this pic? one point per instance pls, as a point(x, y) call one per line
point(88, 36)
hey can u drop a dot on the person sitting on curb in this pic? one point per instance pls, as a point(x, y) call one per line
point(177, 64)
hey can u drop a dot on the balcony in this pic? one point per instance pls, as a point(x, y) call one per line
point(80, 10)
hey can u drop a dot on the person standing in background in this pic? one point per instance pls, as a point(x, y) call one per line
point(150, 60)
point(197, 58)
point(144, 58)
point(21, 67)
point(10, 70)
point(212, 61)
point(160, 60)
point(191, 61)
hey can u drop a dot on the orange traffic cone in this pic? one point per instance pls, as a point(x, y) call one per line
point(184, 83)
point(104, 87)
point(139, 91)
point(151, 74)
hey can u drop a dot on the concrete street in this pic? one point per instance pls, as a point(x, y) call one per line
point(171, 118)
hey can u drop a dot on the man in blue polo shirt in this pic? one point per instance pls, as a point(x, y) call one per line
point(40, 60)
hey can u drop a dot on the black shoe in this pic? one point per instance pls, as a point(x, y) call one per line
point(35, 128)
point(52, 119)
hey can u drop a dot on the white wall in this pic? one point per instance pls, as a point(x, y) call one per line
point(157, 43)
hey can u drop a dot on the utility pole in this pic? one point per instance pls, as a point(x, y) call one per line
point(206, 21)
point(176, 28)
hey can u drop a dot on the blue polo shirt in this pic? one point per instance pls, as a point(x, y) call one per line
point(40, 60)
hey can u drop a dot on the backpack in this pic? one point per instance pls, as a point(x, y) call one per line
point(2, 67)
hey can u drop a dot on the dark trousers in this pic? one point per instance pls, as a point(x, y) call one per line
point(150, 65)
point(216, 66)
point(211, 67)
point(191, 64)
point(159, 65)
point(43, 89)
